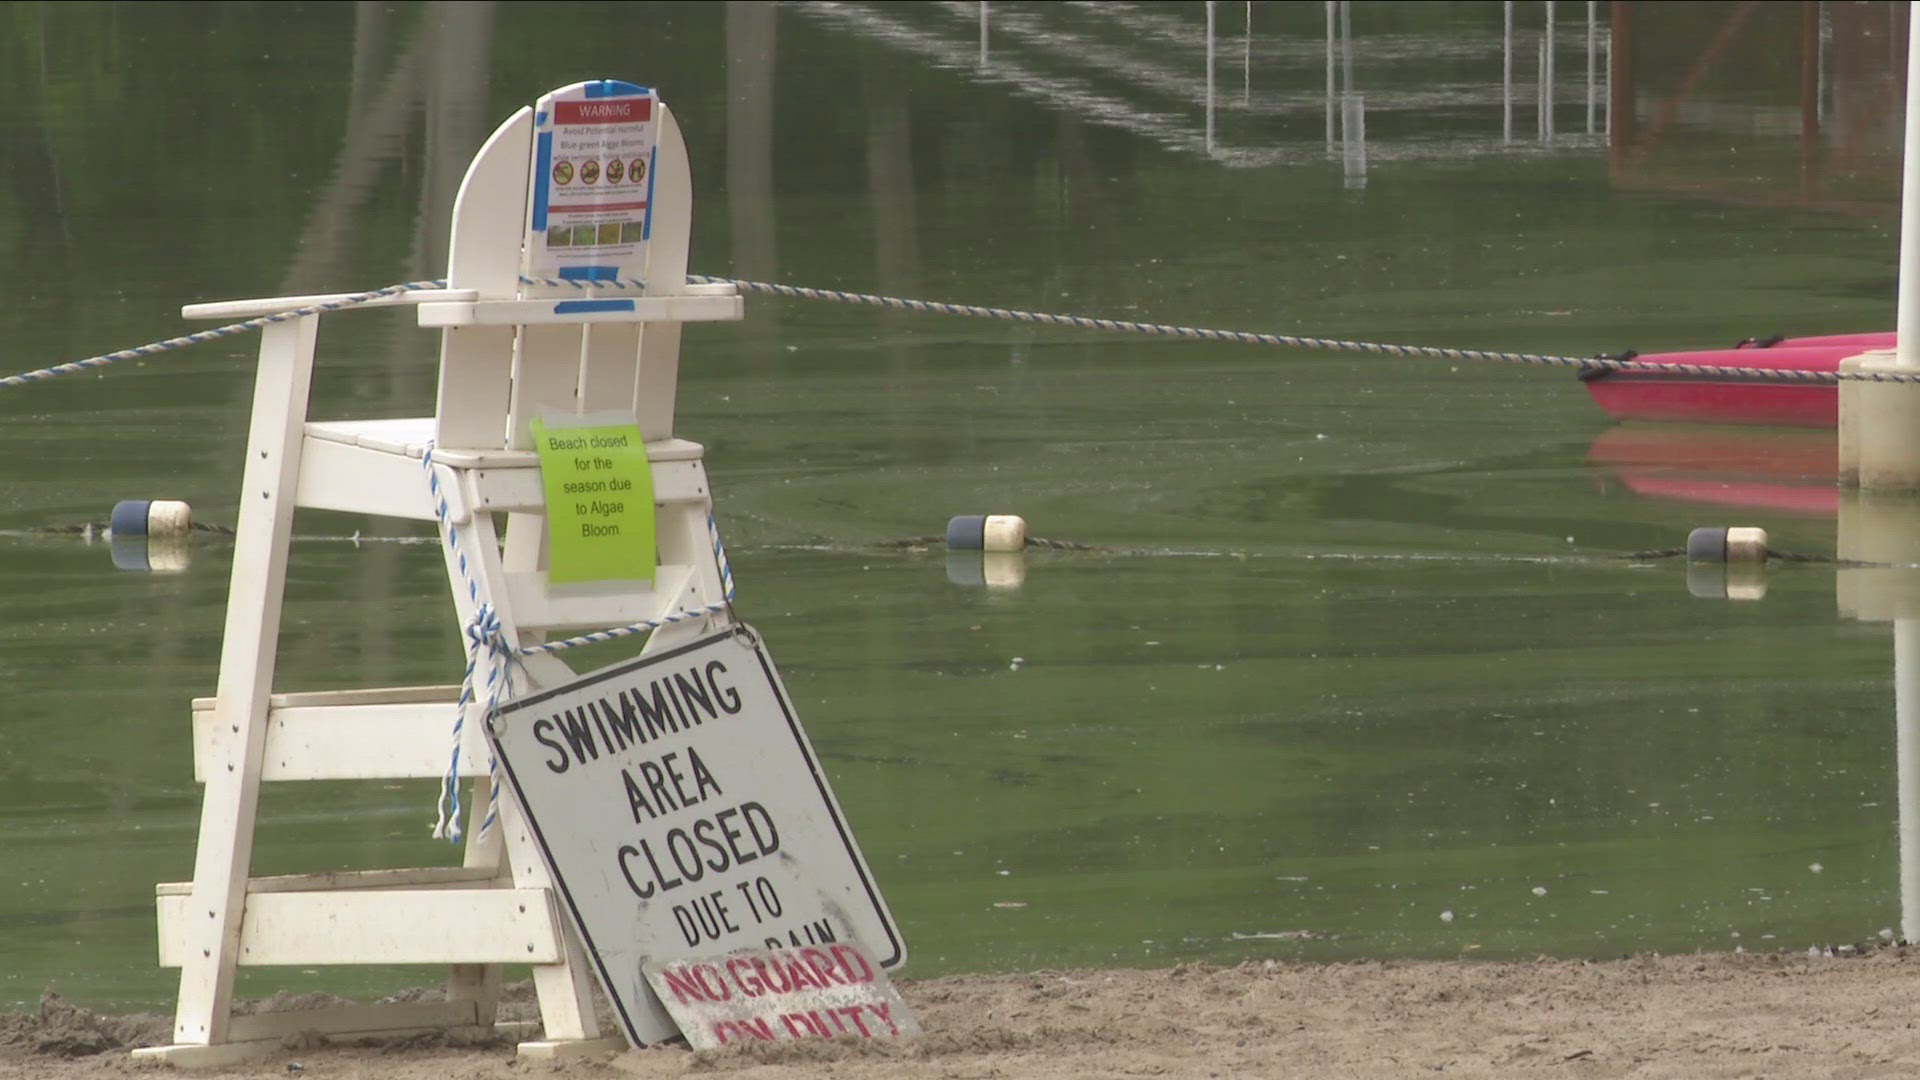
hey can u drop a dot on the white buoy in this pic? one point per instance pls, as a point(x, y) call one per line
point(987, 532)
point(151, 517)
point(1746, 544)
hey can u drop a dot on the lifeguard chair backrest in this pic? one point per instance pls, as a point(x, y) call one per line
point(552, 197)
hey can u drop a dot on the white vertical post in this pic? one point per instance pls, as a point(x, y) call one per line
point(983, 33)
point(1506, 77)
point(1353, 115)
point(1346, 45)
point(1906, 714)
point(1331, 4)
point(1880, 422)
point(1210, 16)
point(1540, 91)
point(1607, 80)
point(1546, 77)
point(1593, 52)
point(1246, 60)
point(1907, 317)
point(1353, 136)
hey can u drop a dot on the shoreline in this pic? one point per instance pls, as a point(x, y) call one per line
point(1782, 1015)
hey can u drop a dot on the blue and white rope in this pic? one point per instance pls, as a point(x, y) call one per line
point(1292, 341)
point(487, 642)
point(1079, 322)
point(720, 560)
point(584, 284)
point(485, 639)
point(230, 330)
point(615, 633)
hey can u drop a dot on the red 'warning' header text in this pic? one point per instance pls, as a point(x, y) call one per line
point(631, 110)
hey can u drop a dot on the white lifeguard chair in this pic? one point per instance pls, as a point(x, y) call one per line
point(533, 322)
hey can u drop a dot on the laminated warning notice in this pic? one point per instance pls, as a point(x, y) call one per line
point(593, 186)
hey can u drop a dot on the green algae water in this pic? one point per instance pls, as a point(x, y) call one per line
point(1354, 664)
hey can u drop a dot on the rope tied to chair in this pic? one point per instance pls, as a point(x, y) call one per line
point(231, 329)
point(486, 638)
point(486, 643)
point(489, 648)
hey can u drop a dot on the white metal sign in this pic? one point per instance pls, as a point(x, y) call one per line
point(683, 813)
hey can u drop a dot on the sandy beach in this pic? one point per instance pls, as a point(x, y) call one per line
point(1698, 1016)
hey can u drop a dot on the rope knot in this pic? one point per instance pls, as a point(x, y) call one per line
point(486, 644)
point(485, 632)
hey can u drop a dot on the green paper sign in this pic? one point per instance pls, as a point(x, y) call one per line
point(599, 503)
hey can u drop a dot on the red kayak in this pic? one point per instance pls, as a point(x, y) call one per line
point(1660, 395)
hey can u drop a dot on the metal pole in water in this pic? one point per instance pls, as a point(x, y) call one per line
point(1546, 78)
point(1593, 52)
point(983, 33)
point(1353, 129)
point(1209, 76)
point(1346, 45)
point(1331, 5)
point(1880, 422)
point(1246, 60)
point(1540, 92)
point(1353, 114)
point(1506, 78)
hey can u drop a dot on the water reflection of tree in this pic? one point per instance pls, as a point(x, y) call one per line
point(1800, 103)
point(416, 94)
point(32, 164)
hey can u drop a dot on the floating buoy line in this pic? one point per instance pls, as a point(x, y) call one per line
point(987, 536)
point(1700, 549)
point(989, 550)
point(97, 531)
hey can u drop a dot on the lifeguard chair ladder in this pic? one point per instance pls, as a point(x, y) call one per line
point(512, 349)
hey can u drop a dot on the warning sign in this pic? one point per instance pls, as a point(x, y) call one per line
point(771, 995)
point(683, 814)
point(592, 192)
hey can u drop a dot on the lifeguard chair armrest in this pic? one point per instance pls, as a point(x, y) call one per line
point(246, 309)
